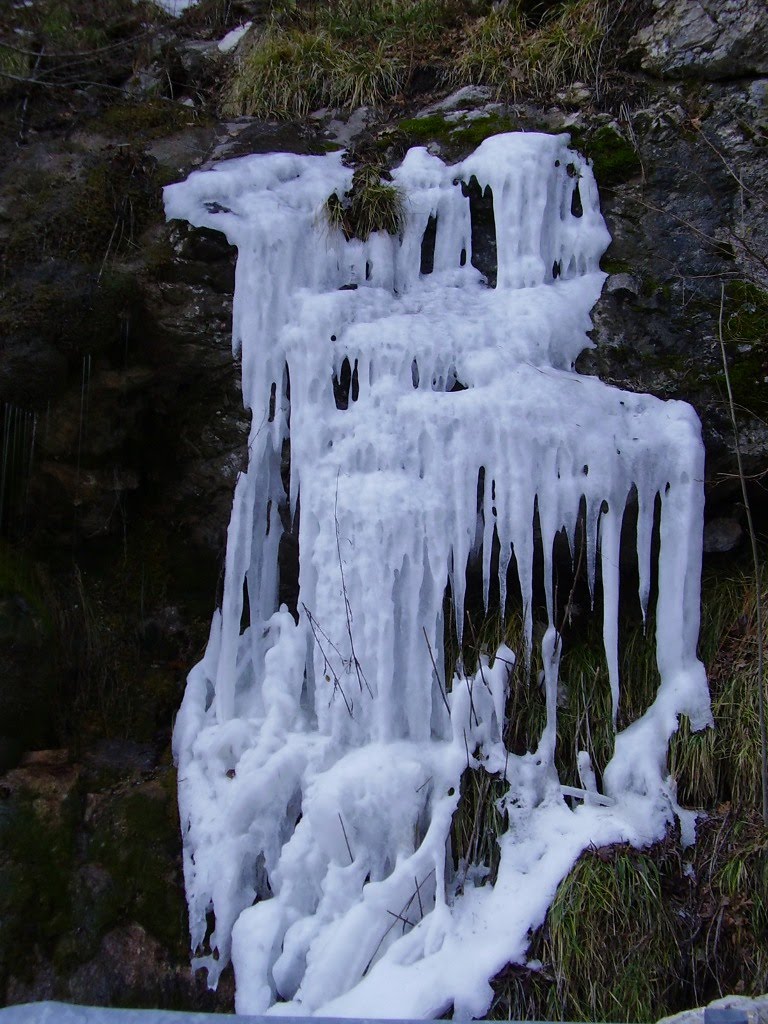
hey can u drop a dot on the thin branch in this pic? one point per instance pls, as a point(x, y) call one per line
point(756, 563)
point(61, 85)
point(327, 666)
point(418, 894)
point(346, 840)
point(437, 674)
point(78, 53)
point(347, 608)
point(399, 917)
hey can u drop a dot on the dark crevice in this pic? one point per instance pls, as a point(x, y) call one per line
point(345, 385)
point(428, 246)
point(483, 221)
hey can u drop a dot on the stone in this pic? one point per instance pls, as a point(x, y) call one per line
point(754, 1010)
point(709, 39)
point(622, 285)
point(722, 535)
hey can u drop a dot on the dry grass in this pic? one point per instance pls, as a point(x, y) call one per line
point(349, 53)
point(371, 205)
point(505, 51)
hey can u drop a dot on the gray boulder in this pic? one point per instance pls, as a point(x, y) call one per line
point(710, 39)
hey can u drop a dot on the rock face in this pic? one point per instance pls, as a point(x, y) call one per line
point(710, 39)
point(124, 432)
point(751, 1011)
point(92, 902)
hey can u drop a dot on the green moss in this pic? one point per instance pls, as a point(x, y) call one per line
point(746, 314)
point(614, 266)
point(36, 862)
point(456, 135)
point(93, 219)
point(614, 159)
point(473, 131)
point(745, 332)
point(75, 313)
point(432, 128)
point(151, 119)
point(136, 838)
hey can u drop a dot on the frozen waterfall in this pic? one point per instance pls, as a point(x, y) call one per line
point(430, 417)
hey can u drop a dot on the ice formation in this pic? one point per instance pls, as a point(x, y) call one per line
point(320, 760)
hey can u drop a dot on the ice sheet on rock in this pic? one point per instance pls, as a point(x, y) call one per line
point(233, 37)
point(175, 7)
point(320, 760)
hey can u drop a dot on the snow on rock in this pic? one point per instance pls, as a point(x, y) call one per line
point(233, 37)
point(175, 7)
point(430, 417)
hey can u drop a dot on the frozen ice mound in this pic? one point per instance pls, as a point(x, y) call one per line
point(430, 418)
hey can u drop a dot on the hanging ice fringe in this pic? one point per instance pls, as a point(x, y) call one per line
point(320, 760)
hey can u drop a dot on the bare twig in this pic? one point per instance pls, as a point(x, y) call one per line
point(328, 669)
point(79, 53)
point(346, 840)
point(418, 895)
point(355, 661)
point(756, 563)
point(397, 917)
point(437, 674)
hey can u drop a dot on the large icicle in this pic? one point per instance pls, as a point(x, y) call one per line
point(320, 760)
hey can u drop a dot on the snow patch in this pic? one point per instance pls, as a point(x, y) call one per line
point(233, 37)
point(175, 7)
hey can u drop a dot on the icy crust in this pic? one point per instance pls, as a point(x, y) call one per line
point(320, 761)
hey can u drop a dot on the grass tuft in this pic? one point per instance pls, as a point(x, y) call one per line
point(616, 892)
point(505, 51)
point(723, 765)
point(371, 205)
point(284, 75)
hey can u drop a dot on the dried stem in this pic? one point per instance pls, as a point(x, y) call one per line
point(756, 563)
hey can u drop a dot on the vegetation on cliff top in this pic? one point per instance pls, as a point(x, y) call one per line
point(371, 52)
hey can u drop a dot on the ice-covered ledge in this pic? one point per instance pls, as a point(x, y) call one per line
point(431, 419)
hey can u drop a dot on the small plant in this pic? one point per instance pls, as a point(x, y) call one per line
point(371, 205)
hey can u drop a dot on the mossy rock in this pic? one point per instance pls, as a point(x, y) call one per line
point(72, 308)
point(136, 840)
point(745, 335)
point(614, 159)
point(29, 680)
point(95, 217)
point(456, 135)
point(152, 119)
point(37, 854)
